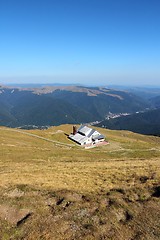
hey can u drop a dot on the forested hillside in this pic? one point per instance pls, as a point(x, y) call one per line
point(145, 123)
point(57, 105)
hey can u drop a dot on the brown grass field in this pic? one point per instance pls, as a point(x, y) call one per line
point(59, 190)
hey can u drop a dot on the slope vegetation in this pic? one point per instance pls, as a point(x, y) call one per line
point(155, 101)
point(57, 105)
point(51, 188)
point(145, 123)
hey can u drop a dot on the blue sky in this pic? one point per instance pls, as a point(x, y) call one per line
point(97, 42)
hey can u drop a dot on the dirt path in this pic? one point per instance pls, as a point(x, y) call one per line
point(36, 136)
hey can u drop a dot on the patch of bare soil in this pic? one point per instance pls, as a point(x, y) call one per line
point(13, 215)
point(15, 193)
point(119, 214)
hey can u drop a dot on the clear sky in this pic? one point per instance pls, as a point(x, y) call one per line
point(80, 41)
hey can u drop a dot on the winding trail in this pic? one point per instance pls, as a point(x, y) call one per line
point(36, 136)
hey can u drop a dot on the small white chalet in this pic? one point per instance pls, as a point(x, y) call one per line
point(85, 135)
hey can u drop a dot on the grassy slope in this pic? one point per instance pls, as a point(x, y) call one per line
point(127, 168)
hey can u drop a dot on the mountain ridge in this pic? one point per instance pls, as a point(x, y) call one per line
point(145, 122)
point(63, 104)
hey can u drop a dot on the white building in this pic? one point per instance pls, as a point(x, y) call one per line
point(85, 135)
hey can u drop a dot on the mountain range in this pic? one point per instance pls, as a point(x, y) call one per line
point(55, 105)
point(146, 122)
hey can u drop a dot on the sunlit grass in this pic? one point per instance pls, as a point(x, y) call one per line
point(29, 160)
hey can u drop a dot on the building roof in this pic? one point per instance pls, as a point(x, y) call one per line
point(85, 133)
point(98, 137)
point(84, 130)
point(91, 133)
point(78, 138)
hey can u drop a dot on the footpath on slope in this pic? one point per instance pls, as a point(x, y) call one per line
point(37, 136)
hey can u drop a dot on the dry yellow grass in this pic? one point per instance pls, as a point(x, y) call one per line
point(29, 160)
point(107, 192)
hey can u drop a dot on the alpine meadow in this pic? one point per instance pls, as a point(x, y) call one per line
point(80, 120)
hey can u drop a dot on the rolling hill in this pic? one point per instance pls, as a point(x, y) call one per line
point(51, 188)
point(63, 104)
point(144, 123)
